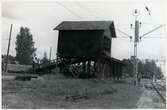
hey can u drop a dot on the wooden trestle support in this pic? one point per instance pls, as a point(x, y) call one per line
point(86, 68)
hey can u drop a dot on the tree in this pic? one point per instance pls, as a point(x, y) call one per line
point(11, 59)
point(159, 73)
point(45, 59)
point(140, 66)
point(24, 46)
point(128, 69)
point(149, 68)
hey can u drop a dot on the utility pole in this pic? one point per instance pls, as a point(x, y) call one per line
point(50, 54)
point(8, 48)
point(136, 40)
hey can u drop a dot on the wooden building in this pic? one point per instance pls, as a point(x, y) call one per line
point(88, 44)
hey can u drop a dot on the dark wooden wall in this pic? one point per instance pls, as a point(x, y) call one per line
point(90, 45)
point(109, 69)
point(81, 43)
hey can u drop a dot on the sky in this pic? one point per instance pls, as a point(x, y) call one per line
point(42, 16)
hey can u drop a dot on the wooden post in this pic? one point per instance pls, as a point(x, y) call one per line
point(104, 70)
point(84, 66)
point(121, 71)
point(99, 69)
point(115, 68)
point(8, 48)
point(111, 72)
point(50, 54)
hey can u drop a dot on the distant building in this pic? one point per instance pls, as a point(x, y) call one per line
point(87, 41)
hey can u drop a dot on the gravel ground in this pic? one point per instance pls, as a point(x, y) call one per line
point(50, 92)
point(150, 98)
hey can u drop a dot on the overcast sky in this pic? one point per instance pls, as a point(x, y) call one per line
point(42, 17)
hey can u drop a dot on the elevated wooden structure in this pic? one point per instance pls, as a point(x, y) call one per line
point(84, 49)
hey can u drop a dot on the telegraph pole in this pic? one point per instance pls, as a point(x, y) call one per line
point(50, 54)
point(8, 48)
point(136, 40)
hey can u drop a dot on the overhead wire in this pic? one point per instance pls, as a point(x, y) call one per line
point(151, 31)
point(149, 23)
point(5, 39)
point(88, 10)
point(94, 15)
point(72, 12)
point(69, 10)
point(155, 37)
point(127, 35)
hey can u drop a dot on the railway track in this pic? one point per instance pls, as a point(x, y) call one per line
point(162, 86)
point(159, 92)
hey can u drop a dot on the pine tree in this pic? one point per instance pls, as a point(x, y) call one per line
point(24, 46)
point(45, 59)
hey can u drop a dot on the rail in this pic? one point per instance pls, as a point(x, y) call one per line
point(161, 96)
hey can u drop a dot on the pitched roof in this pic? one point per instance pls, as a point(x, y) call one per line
point(85, 25)
point(115, 60)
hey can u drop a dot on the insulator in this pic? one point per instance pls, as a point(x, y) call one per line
point(130, 38)
point(131, 25)
point(140, 24)
point(135, 11)
point(140, 39)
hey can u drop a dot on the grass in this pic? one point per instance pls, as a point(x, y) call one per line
point(17, 67)
point(49, 91)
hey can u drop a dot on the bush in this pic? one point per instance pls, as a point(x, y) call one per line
point(29, 71)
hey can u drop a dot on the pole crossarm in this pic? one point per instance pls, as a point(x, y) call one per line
point(152, 30)
point(124, 33)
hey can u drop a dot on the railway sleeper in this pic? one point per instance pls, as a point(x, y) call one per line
point(24, 78)
point(76, 97)
point(148, 86)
